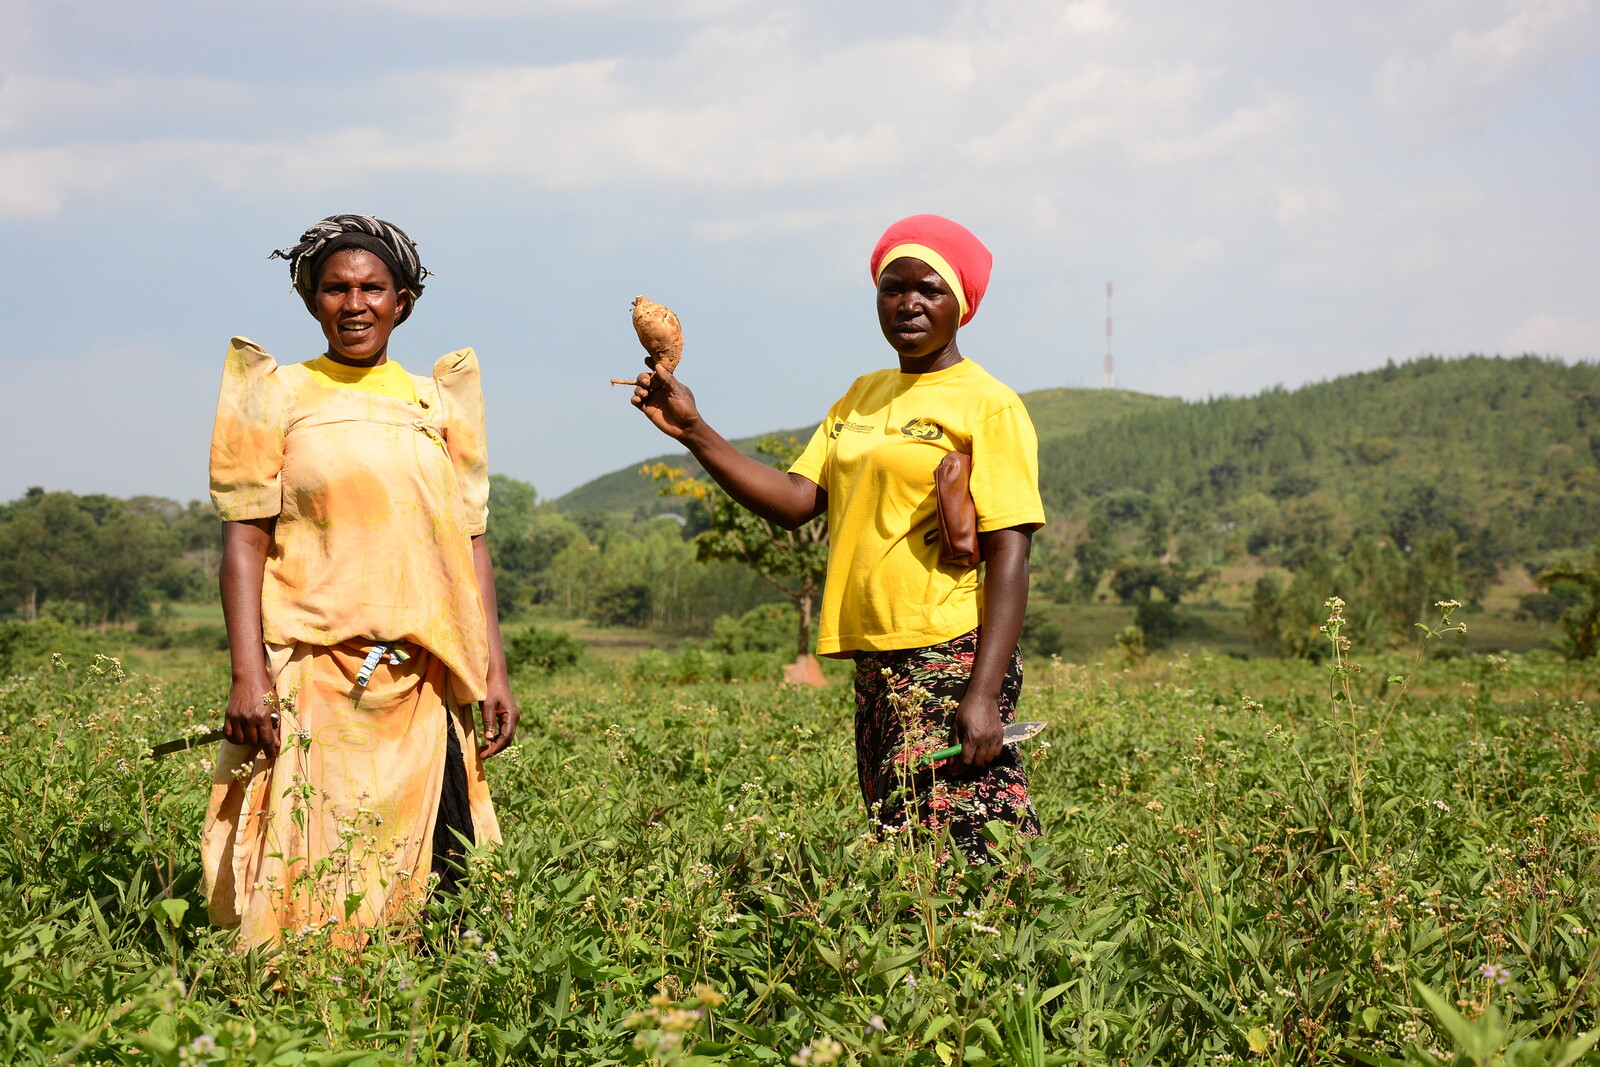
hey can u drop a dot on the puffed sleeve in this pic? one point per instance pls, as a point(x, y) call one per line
point(1005, 470)
point(461, 394)
point(247, 439)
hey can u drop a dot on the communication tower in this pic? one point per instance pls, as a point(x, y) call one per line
point(1111, 366)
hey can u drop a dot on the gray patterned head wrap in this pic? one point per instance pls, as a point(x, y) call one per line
point(383, 239)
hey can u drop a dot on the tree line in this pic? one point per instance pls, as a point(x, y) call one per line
point(101, 560)
point(1395, 488)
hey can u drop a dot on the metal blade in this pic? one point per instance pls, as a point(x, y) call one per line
point(183, 744)
point(1021, 731)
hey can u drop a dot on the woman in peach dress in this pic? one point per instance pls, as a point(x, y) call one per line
point(360, 608)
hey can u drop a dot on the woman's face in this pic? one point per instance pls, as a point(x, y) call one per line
point(917, 311)
point(357, 305)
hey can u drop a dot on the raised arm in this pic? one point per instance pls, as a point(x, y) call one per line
point(786, 499)
point(245, 546)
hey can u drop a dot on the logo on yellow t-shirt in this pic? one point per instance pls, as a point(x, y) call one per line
point(923, 429)
point(842, 425)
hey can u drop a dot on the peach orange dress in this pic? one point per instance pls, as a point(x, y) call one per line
point(376, 500)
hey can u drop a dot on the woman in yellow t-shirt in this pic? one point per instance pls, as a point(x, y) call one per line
point(935, 646)
point(360, 607)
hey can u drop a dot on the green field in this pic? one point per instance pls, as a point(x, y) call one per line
point(1235, 868)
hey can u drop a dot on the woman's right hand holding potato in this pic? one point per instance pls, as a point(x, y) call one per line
point(666, 402)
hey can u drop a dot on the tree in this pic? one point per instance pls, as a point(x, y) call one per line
point(794, 562)
point(107, 554)
point(1135, 580)
point(512, 507)
point(46, 544)
point(1092, 556)
point(1582, 620)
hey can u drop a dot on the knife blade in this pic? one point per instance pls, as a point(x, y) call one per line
point(1016, 733)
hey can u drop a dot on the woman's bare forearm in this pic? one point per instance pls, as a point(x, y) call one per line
point(491, 607)
point(777, 496)
point(245, 546)
point(786, 499)
point(1005, 602)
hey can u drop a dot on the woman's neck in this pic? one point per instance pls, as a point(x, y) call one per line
point(360, 364)
point(943, 359)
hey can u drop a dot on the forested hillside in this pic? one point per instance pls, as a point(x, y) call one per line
point(1427, 480)
point(1507, 446)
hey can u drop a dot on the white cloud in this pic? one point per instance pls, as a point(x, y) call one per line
point(1092, 16)
point(1293, 203)
point(44, 106)
point(743, 105)
point(1467, 80)
point(1568, 336)
point(531, 10)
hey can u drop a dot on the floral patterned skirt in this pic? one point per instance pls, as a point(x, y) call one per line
point(906, 701)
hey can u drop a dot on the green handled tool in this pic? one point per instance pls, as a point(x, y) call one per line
point(1016, 732)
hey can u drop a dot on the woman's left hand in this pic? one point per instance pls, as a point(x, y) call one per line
point(500, 717)
point(978, 728)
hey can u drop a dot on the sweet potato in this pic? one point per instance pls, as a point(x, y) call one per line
point(659, 332)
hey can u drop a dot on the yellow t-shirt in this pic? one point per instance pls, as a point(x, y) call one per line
point(875, 455)
point(386, 379)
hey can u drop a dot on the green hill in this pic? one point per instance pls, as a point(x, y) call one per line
point(1506, 450)
point(1056, 413)
point(624, 493)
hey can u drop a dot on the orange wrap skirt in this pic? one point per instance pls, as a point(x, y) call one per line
point(338, 829)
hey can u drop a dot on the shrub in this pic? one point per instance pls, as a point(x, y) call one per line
point(1159, 622)
point(764, 628)
point(26, 645)
point(212, 637)
point(1041, 635)
point(623, 605)
point(539, 649)
point(699, 663)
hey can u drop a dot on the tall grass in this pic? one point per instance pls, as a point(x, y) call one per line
point(1235, 868)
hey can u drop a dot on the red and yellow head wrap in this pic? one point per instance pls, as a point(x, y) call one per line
point(948, 247)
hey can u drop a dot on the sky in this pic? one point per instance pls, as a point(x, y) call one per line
point(1282, 192)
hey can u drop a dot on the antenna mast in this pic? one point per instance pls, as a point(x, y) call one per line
point(1111, 366)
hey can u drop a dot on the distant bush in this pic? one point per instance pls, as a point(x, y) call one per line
point(1158, 620)
point(539, 649)
point(1041, 635)
point(1376, 450)
point(27, 645)
point(211, 637)
point(700, 663)
point(1543, 607)
point(623, 605)
point(764, 628)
